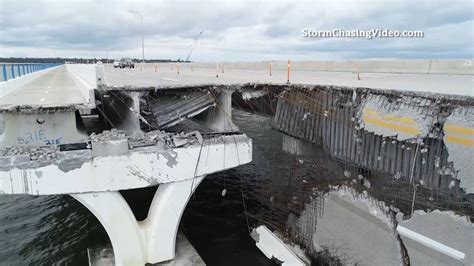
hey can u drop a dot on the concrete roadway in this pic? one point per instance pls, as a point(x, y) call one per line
point(165, 76)
point(55, 88)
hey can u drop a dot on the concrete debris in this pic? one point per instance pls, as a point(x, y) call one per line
point(45, 153)
point(184, 138)
point(413, 115)
point(459, 127)
point(171, 111)
point(347, 173)
point(165, 139)
point(149, 139)
point(274, 247)
point(106, 135)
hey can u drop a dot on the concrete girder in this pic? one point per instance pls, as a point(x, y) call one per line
point(152, 240)
point(41, 129)
point(80, 172)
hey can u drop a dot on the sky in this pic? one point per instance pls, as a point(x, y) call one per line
point(234, 30)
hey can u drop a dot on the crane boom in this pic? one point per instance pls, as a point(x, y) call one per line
point(195, 42)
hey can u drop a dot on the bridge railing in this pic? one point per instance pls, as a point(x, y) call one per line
point(11, 71)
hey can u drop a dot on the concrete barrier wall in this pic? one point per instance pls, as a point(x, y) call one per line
point(402, 66)
point(85, 76)
point(7, 87)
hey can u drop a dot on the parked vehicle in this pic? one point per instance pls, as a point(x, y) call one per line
point(116, 64)
point(126, 62)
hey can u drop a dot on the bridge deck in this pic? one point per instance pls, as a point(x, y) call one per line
point(55, 88)
point(165, 77)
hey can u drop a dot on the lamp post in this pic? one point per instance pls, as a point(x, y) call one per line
point(143, 43)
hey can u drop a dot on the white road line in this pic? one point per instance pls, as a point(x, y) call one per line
point(453, 253)
point(170, 79)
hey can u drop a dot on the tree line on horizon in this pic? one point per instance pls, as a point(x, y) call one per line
point(78, 60)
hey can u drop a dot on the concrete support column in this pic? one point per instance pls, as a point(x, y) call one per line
point(220, 118)
point(164, 216)
point(118, 220)
point(152, 240)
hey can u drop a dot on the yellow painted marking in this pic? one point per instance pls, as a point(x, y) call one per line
point(401, 119)
point(450, 128)
point(459, 140)
point(409, 125)
point(395, 118)
point(383, 123)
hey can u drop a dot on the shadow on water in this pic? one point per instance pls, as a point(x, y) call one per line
point(42, 230)
point(216, 225)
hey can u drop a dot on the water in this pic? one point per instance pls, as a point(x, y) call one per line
point(58, 230)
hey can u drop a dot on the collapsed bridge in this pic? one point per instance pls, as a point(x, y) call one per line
point(108, 130)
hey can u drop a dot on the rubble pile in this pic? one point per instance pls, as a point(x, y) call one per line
point(173, 140)
point(109, 135)
point(149, 139)
point(45, 153)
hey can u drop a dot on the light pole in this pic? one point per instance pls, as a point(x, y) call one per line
point(143, 43)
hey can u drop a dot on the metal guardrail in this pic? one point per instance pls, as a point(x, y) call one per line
point(11, 71)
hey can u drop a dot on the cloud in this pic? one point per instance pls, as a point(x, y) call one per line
point(233, 30)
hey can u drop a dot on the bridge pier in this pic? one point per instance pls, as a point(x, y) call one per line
point(219, 118)
point(152, 240)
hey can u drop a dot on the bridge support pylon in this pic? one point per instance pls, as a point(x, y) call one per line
point(152, 240)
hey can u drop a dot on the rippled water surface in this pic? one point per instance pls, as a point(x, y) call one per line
point(57, 229)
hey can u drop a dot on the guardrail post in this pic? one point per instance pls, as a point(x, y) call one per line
point(358, 71)
point(13, 71)
point(4, 71)
point(23, 67)
point(288, 74)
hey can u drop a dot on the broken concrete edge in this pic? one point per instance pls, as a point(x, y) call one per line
point(393, 218)
point(449, 98)
point(238, 86)
point(108, 143)
point(38, 108)
point(378, 209)
point(274, 248)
